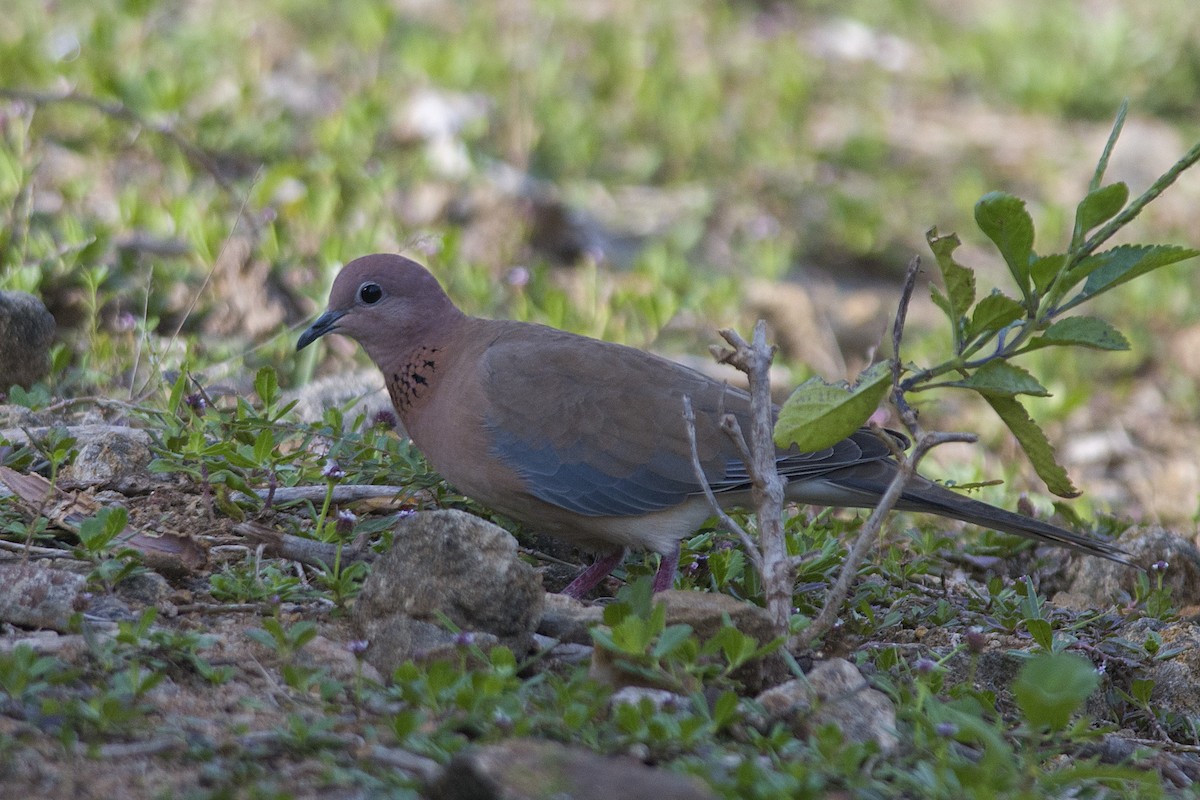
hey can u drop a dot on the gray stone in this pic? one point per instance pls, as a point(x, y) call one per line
point(363, 391)
point(705, 613)
point(569, 620)
point(1176, 680)
point(660, 699)
point(446, 563)
point(111, 456)
point(397, 639)
point(26, 331)
point(526, 769)
point(1099, 582)
point(834, 692)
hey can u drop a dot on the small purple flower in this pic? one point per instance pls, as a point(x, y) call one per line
point(345, 522)
point(925, 666)
point(357, 647)
point(428, 245)
point(763, 226)
point(405, 513)
point(125, 322)
point(333, 471)
point(464, 639)
point(1159, 566)
point(946, 729)
point(518, 277)
point(384, 418)
point(196, 403)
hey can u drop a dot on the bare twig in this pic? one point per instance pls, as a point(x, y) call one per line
point(837, 595)
point(419, 766)
point(306, 551)
point(347, 493)
point(33, 550)
point(766, 489)
point(908, 415)
point(689, 418)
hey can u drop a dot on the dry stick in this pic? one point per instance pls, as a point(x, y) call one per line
point(689, 418)
point(907, 414)
point(342, 493)
point(766, 487)
point(827, 617)
point(297, 548)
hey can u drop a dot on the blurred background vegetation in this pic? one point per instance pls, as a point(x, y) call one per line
point(183, 179)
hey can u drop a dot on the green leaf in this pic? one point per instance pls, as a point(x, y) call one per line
point(993, 313)
point(96, 533)
point(1005, 221)
point(1114, 134)
point(1141, 689)
point(818, 414)
point(939, 300)
point(1083, 332)
point(1111, 268)
point(1100, 206)
point(264, 444)
point(959, 280)
point(1033, 441)
point(1041, 632)
point(725, 710)
point(266, 385)
point(1002, 379)
point(1051, 687)
point(1045, 269)
point(674, 637)
point(631, 635)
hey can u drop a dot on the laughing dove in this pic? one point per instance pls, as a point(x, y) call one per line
point(585, 440)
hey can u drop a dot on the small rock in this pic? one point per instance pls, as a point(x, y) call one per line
point(364, 389)
point(567, 654)
point(13, 418)
point(446, 562)
point(26, 331)
point(705, 613)
point(568, 620)
point(110, 456)
point(1103, 580)
point(395, 640)
point(34, 595)
point(660, 699)
point(1175, 679)
point(338, 659)
point(146, 589)
point(525, 769)
point(834, 692)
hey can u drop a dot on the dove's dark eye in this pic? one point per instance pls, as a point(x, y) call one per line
point(370, 293)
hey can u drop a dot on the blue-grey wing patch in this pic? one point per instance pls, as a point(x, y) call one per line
point(588, 489)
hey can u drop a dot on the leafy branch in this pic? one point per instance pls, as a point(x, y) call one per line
point(987, 333)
